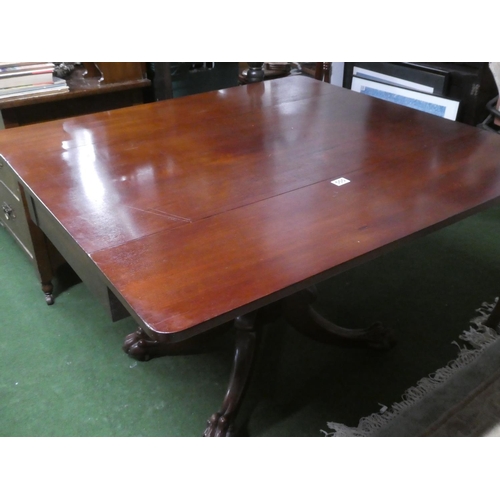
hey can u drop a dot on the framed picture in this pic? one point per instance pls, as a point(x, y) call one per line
point(410, 75)
point(374, 76)
point(435, 105)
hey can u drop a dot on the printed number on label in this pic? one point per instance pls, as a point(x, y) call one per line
point(340, 181)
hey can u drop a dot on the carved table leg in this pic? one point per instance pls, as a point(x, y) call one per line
point(221, 423)
point(297, 310)
point(494, 318)
point(140, 346)
point(302, 316)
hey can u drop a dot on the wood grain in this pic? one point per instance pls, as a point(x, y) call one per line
point(196, 210)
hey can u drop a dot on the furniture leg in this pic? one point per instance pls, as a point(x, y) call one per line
point(299, 312)
point(42, 257)
point(494, 318)
point(221, 423)
point(140, 346)
point(47, 289)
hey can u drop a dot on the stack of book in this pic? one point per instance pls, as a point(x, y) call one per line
point(21, 79)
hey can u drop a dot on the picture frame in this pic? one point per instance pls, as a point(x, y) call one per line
point(375, 76)
point(432, 104)
point(412, 75)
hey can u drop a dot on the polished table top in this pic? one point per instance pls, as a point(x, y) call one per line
point(198, 209)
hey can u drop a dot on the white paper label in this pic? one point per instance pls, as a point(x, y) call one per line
point(340, 181)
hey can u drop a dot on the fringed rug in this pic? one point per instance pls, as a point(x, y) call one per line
point(434, 395)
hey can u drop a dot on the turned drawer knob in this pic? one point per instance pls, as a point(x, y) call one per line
point(8, 211)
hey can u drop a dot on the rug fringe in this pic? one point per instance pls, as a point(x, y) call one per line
point(478, 336)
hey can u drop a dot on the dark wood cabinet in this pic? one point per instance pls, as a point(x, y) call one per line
point(93, 87)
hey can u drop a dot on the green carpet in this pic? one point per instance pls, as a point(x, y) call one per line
point(63, 372)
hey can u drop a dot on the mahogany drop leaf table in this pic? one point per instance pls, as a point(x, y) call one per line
point(231, 205)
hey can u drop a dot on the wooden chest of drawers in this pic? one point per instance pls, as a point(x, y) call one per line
point(13, 215)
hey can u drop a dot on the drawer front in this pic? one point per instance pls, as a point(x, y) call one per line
point(8, 177)
point(13, 217)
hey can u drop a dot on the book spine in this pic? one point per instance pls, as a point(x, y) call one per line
point(35, 71)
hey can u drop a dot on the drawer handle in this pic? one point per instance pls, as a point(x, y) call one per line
point(8, 211)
